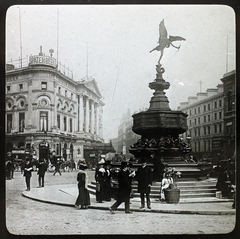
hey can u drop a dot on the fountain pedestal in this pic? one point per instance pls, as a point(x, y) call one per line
point(159, 128)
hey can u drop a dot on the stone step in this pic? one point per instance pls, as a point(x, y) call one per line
point(198, 195)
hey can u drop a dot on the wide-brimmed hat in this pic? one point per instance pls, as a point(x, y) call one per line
point(82, 166)
point(102, 161)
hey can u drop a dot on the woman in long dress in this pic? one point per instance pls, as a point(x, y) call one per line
point(166, 181)
point(83, 199)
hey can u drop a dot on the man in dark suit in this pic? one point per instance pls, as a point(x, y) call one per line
point(42, 168)
point(28, 173)
point(124, 189)
point(144, 178)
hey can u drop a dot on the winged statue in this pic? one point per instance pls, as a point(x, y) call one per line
point(164, 41)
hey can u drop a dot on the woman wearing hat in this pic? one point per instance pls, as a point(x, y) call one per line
point(99, 177)
point(83, 199)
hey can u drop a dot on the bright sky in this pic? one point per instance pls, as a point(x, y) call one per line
point(119, 38)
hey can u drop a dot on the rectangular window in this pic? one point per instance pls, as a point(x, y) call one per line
point(215, 116)
point(205, 119)
point(215, 128)
point(215, 104)
point(20, 87)
point(199, 131)
point(199, 149)
point(43, 121)
point(204, 108)
point(58, 121)
point(205, 130)
point(8, 88)
point(208, 118)
point(198, 120)
point(195, 121)
point(220, 103)
point(44, 85)
point(70, 124)
point(195, 132)
point(220, 115)
point(209, 107)
point(198, 110)
point(205, 146)
point(195, 111)
point(209, 145)
point(9, 123)
point(209, 130)
point(220, 128)
point(59, 90)
point(21, 122)
point(65, 123)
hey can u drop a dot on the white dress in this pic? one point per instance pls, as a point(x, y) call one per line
point(165, 184)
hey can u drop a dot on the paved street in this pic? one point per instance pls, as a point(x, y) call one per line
point(28, 217)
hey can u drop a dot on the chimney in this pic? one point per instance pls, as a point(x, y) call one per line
point(40, 54)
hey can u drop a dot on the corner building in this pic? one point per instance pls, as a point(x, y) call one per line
point(211, 120)
point(47, 111)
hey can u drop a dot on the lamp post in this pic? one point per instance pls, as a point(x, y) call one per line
point(188, 138)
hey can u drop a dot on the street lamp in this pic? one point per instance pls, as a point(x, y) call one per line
point(188, 138)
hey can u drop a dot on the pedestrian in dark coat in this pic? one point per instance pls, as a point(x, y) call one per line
point(107, 182)
point(124, 189)
point(57, 167)
point(144, 178)
point(9, 166)
point(83, 199)
point(42, 168)
point(100, 178)
point(28, 173)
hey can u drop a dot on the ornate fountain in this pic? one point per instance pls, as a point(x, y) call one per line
point(160, 126)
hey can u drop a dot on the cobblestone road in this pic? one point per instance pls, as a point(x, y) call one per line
point(28, 217)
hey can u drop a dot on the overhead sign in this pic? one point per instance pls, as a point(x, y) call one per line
point(42, 60)
point(18, 151)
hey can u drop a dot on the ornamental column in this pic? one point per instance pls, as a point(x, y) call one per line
point(97, 119)
point(92, 117)
point(81, 113)
point(30, 97)
point(87, 116)
point(54, 124)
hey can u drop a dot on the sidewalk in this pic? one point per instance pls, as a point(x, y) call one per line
point(66, 195)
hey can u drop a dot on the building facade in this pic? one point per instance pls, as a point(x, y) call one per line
point(207, 120)
point(229, 94)
point(47, 111)
point(126, 137)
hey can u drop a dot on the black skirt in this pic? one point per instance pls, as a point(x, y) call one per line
point(83, 198)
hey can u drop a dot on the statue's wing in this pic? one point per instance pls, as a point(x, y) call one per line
point(176, 38)
point(162, 31)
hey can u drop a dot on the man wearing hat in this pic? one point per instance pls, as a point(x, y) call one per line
point(144, 178)
point(42, 168)
point(124, 189)
point(28, 173)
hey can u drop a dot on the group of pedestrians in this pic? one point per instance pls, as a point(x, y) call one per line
point(41, 169)
point(103, 181)
point(144, 178)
